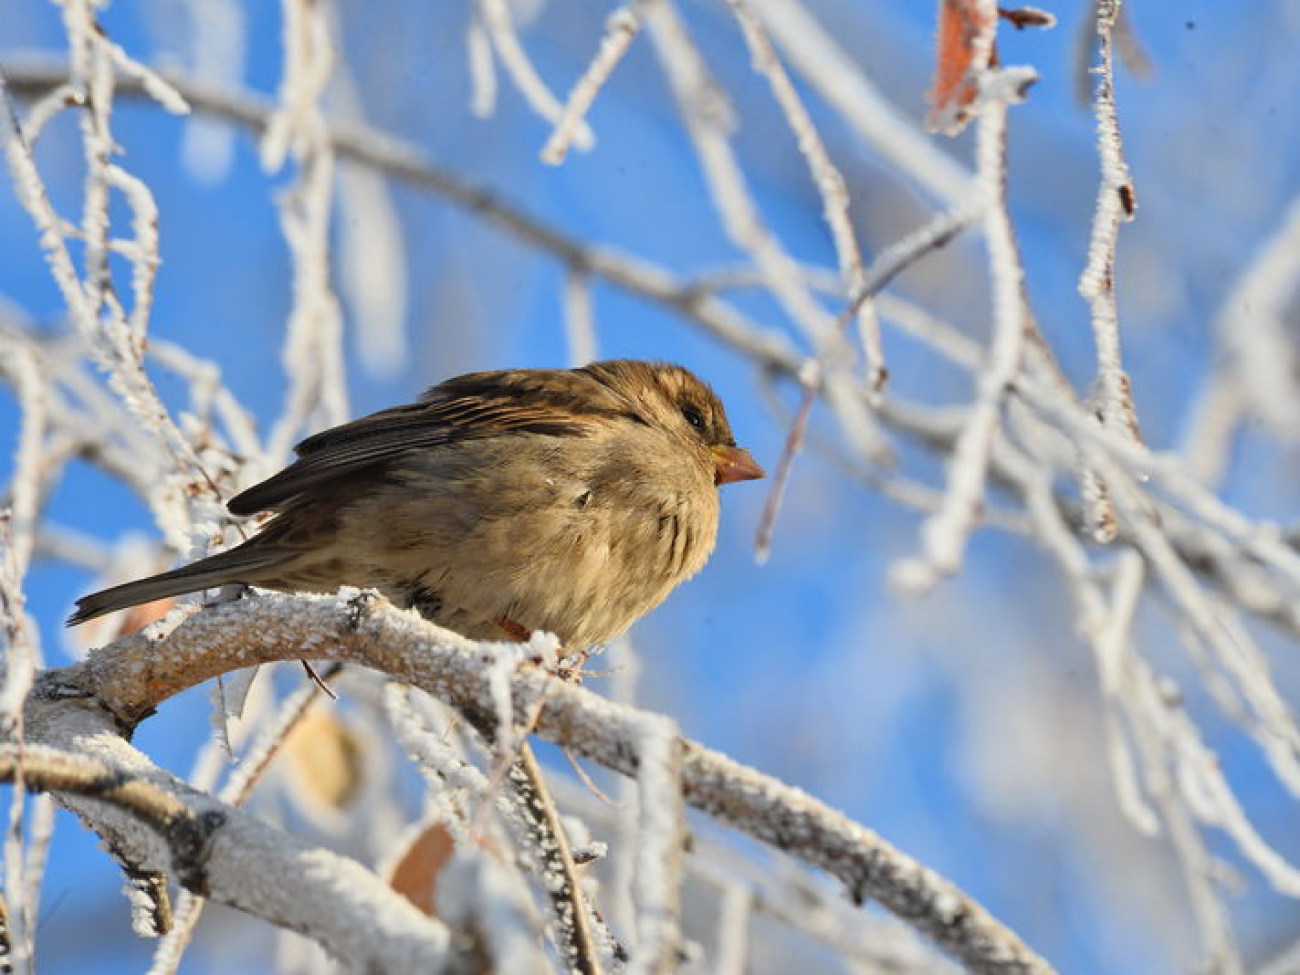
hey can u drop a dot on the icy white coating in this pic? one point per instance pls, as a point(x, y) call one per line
point(131, 676)
point(246, 863)
point(498, 24)
point(476, 893)
point(620, 28)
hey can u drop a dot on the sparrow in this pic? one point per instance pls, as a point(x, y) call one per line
point(500, 503)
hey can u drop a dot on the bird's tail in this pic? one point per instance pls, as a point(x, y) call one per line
point(237, 565)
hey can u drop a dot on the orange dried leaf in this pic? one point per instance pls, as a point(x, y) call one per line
point(964, 48)
point(107, 628)
point(1022, 18)
point(138, 617)
point(415, 874)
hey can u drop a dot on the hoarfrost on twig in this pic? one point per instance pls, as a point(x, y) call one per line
point(944, 534)
point(621, 28)
point(499, 24)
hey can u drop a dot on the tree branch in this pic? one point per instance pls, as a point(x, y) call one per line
point(132, 676)
point(216, 850)
point(30, 78)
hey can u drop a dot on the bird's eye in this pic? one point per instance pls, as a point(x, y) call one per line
point(693, 417)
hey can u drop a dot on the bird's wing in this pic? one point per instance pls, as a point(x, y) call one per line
point(551, 402)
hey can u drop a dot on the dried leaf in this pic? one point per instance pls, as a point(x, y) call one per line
point(325, 759)
point(964, 49)
point(415, 873)
point(1023, 17)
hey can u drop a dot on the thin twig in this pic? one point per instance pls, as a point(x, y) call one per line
point(893, 262)
point(621, 29)
point(944, 535)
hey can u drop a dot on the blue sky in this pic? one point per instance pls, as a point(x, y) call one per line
point(806, 667)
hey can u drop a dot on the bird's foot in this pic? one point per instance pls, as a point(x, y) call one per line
point(229, 593)
point(572, 665)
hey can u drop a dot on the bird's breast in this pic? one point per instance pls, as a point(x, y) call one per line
point(575, 545)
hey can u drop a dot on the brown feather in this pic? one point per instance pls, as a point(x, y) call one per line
point(477, 405)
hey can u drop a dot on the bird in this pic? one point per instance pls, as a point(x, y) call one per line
point(498, 504)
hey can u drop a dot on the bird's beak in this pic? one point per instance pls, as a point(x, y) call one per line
point(731, 464)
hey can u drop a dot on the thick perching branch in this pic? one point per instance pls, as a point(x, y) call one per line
point(131, 677)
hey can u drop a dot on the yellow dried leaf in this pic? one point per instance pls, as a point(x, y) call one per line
point(325, 758)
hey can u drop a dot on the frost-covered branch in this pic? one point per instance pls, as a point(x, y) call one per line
point(944, 534)
point(236, 791)
point(313, 340)
point(132, 676)
point(223, 853)
point(621, 28)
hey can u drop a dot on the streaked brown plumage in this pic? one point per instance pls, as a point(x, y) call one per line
point(566, 500)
